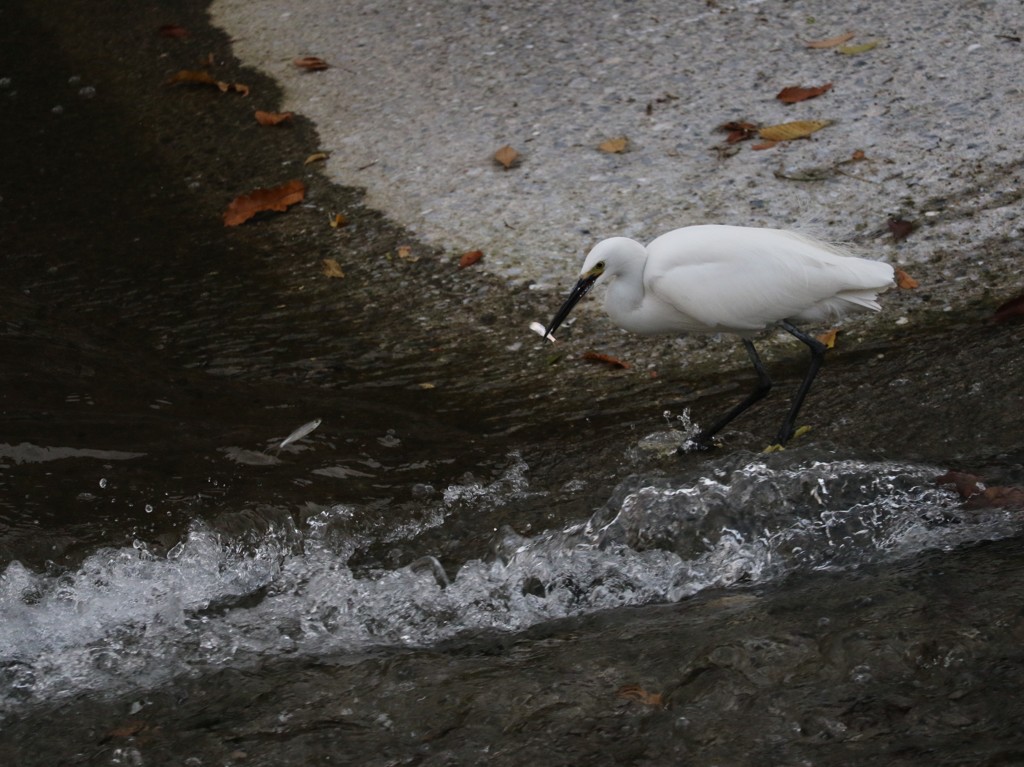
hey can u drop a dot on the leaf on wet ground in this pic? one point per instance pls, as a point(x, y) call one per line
point(829, 338)
point(470, 257)
point(337, 221)
point(1010, 310)
point(605, 359)
point(279, 198)
point(203, 78)
point(272, 118)
point(331, 268)
point(831, 42)
point(904, 280)
point(796, 93)
point(507, 157)
point(311, 63)
point(640, 695)
point(405, 253)
point(616, 145)
point(972, 489)
point(315, 157)
point(175, 31)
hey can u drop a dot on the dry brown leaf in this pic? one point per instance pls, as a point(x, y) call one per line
point(606, 359)
point(763, 145)
point(793, 130)
point(404, 252)
point(796, 93)
point(858, 155)
point(507, 157)
point(640, 695)
point(272, 118)
point(470, 257)
point(616, 145)
point(172, 30)
point(331, 268)
point(904, 280)
point(829, 338)
point(315, 157)
point(338, 220)
point(280, 198)
point(900, 228)
point(998, 497)
point(738, 131)
point(311, 63)
point(192, 77)
point(854, 50)
point(1010, 310)
point(966, 484)
point(831, 42)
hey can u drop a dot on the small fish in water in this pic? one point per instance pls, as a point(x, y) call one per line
point(539, 329)
point(300, 432)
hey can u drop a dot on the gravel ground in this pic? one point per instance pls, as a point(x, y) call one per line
point(419, 96)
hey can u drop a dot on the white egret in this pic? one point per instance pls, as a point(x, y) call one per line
point(731, 279)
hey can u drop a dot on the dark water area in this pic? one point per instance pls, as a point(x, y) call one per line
point(486, 550)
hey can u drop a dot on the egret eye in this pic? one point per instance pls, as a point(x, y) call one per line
point(599, 266)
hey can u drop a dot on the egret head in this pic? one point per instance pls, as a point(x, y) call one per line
point(601, 261)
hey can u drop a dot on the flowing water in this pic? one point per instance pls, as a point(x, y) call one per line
point(251, 515)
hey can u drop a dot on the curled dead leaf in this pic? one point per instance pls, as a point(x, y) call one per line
point(331, 268)
point(507, 157)
point(606, 359)
point(280, 198)
point(831, 42)
point(272, 118)
point(311, 63)
point(315, 157)
point(904, 280)
point(792, 130)
point(470, 257)
point(795, 94)
point(616, 145)
point(404, 252)
point(338, 220)
point(192, 77)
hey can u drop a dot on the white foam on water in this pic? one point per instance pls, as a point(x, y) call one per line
point(127, 618)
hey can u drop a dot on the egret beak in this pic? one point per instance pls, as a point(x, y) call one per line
point(582, 288)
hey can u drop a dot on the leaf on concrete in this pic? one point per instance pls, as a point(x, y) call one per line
point(507, 157)
point(793, 130)
point(470, 257)
point(311, 63)
point(280, 198)
point(900, 228)
point(338, 220)
point(616, 145)
point(738, 131)
point(315, 157)
point(796, 93)
point(904, 280)
point(856, 50)
point(831, 42)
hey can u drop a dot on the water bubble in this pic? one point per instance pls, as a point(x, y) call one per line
point(5, 82)
point(87, 92)
point(58, 110)
point(103, 483)
point(149, 508)
point(74, 80)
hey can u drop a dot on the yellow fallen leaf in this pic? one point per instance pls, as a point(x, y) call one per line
point(831, 42)
point(829, 338)
point(793, 130)
point(338, 220)
point(404, 252)
point(315, 157)
point(332, 268)
point(853, 50)
point(640, 695)
point(614, 145)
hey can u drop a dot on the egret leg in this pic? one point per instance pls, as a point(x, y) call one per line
point(818, 350)
point(764, 385)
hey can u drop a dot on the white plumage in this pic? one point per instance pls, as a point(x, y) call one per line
point(730, 279)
